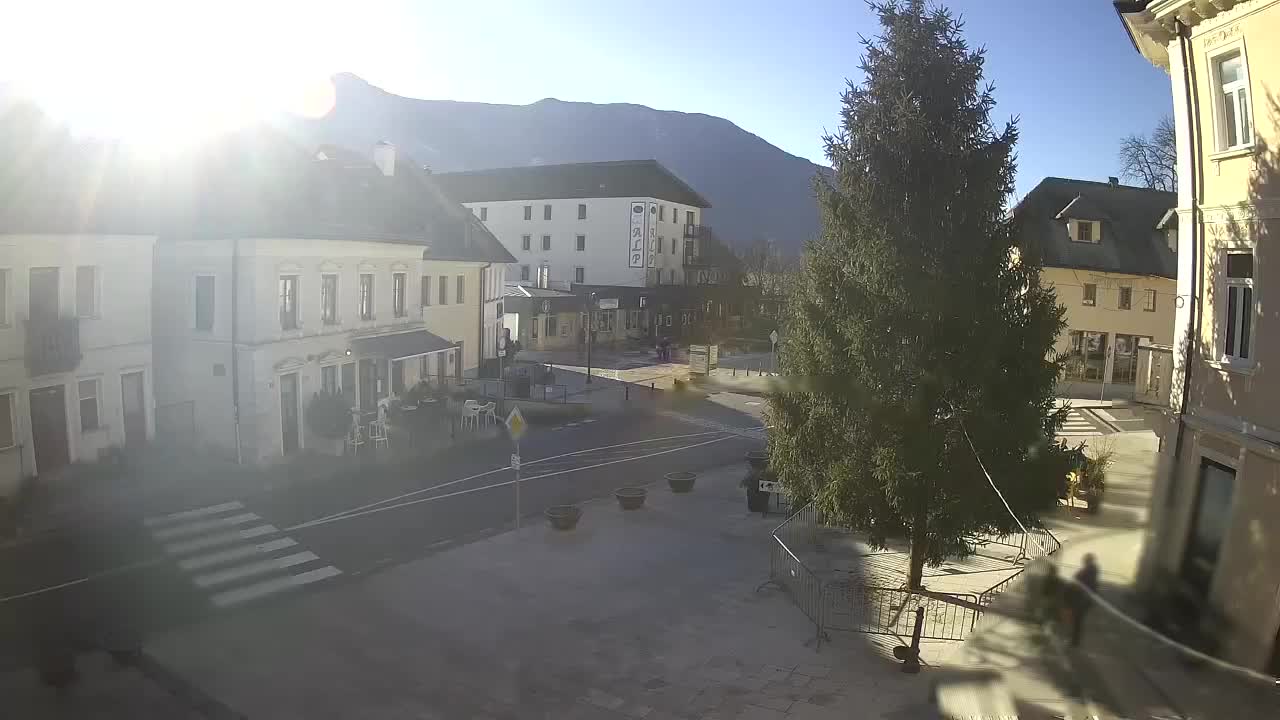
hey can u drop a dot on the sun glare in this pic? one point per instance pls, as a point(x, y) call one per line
point(168, 74)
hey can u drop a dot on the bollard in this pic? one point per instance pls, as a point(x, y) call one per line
point(735, 372)
point(626, 391)
point(910, 655)
point(651, 388)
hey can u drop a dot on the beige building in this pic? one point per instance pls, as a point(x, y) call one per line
point(1108, 250)
point(361, 280)
point(1216, 513)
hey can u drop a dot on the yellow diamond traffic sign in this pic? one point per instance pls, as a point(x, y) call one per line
point(516, 424)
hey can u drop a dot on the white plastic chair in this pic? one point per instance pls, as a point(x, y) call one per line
point(470, 414)
point(487, 411)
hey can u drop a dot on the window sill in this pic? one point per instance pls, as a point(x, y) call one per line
point(1240, 367)
point(1235, 152)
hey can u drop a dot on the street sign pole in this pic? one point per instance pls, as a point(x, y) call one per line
point(516, 427)
point(773, 351)
point(516, 465)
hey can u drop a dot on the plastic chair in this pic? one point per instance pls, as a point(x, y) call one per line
point(487, 411)
point(471, 414)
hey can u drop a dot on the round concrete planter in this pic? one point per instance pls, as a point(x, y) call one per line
point(631, 498)
point(757, 459)
point(681, 482)
point(563, 517)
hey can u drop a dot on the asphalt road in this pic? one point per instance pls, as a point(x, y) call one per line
point(114, 585)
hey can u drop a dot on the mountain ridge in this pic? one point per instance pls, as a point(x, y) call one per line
point(756, 189)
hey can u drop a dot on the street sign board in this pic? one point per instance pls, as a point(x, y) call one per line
point(608, 303)
point(698, 359)
point(773, 337)
point(515, 461)
point(516, 424)
point(771, 486)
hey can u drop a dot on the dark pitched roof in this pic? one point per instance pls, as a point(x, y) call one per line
point(252, 183)
point(398, 346)
point(1131, 243)
point(525, 291)
point(618, 178)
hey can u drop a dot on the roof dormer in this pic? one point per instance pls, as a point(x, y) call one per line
point(1084, 220)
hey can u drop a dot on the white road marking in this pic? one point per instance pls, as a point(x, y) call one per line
point(209, 541)
point(243, 571)
point(450, 483)
point(270, 587)
point(1106, 415)
point(192, 514)
point(239, 553)
point(201, 526)
point(354, 514)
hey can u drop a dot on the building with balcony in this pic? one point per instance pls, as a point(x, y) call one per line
point(629, 223)
point(1213, 551)
point(1108, 250)
point(358, 277)
point(76, 367)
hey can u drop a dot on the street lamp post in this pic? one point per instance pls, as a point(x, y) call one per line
point(591, 334)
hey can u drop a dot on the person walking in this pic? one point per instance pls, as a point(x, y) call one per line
point(1080, 596)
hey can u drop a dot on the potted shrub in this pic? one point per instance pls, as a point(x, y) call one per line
point(630, 498)
point(329, 416)
point(681, 482)
point(1092, 476)
point(563, 517)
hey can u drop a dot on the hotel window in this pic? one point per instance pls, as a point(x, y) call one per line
point(397, 294)
point(525, 242)
point(1208, 525)
point(528, 212)
point(546, 242)
point(89, 407)
point(484, 214)
point(1238, 341)
point(426, 291)
point(524, 272)
point(462, 293)
point(329, 379)
point(581, 243)
point(366, 296)
point(329, 299)
point(444, 290)
point(579, 274)
point(1231, 89)
point(688, 217)
point(1090, 294)
point(288, 302)
point(662, 212)
point(1125, 301)
point(546, 212)
point(582, 211)
point(1148, 300)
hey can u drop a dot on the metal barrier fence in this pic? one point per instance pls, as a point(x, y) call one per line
point(501, 389)
point(852, 606)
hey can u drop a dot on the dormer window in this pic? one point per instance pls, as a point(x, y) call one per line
point(1085, 231)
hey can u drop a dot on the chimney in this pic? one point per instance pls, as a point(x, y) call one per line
point(1113, 181)
point(384, 156)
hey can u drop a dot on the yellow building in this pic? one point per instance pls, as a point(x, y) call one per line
point(1108, 251)
point(1215, 553)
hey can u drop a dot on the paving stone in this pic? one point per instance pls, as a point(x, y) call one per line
point(816, 671)
point(756, 712)
point(774, 703)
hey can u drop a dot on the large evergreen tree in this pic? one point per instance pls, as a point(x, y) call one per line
point(918, 317)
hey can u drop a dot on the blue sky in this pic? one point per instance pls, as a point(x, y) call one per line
point(776, 69)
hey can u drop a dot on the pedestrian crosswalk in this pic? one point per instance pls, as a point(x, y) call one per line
point(234, 555)
point(1078, 425)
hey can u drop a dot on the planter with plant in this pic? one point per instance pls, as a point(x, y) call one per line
point(1092, 475)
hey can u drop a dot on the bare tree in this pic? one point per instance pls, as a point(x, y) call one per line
point(1152, 159)
point(763, 265)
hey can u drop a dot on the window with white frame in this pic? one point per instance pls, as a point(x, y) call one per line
point(525, 241)
point(579, 274)
point(86, 291)
point(329, 379)
point(546, 242)
point(4, 297)
point(398, 282)
point(546, 212)
point(1237, 341)
point(366, 296)
point(582, 211)
point(425, 291)
point(1231, 101)
point(524, 272)
point(329, 299)
point(1086, 231)
point(1148, 300)
point(528, 212)
point(89, 406)
point(8, 436)
point(288, 302)
point(580, 243)
point(1090, 294)
point(1125, 301)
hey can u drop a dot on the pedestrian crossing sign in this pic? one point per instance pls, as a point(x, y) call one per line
point(516, 424)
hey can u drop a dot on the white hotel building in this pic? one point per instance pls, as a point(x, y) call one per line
point(628, 223)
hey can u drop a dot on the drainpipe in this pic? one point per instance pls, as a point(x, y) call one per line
point(480, 345)
point(235, 356)
point(1197, 254)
